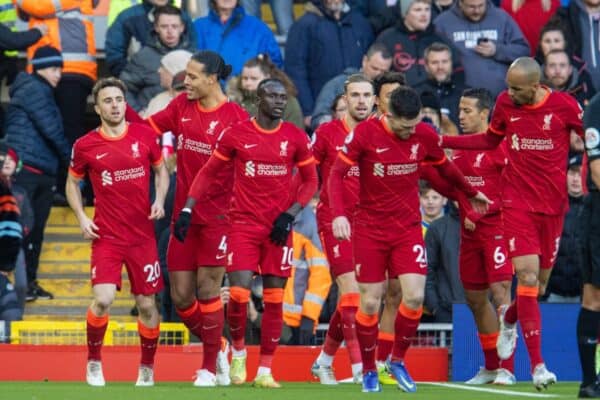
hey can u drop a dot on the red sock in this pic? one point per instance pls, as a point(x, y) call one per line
point(530, 319)
point(405, 328)
point(509, 363)
point(385, 341)
point(213, 320)
point(511, 314)
point(366, 332)
point(271, 325)
point(96, 328)
point(237, 311)
point(148, 342)
point(490, 354)
point(348, 307)
point(334, 336)
point(192, 318)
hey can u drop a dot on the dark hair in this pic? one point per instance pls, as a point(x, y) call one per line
point(107, 82)
point(356, 78)
point(558, 51)
point(167, 9)
point(437, 47)
point(386, 78)
point(424, 187)
point(266, 66)
point(379, 47)
point(213, 63)
point(551, 26)
point(485, 100)
point(268, 81)
point(405, 103)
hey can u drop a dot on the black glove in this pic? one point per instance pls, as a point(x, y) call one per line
point(306, 332)
point(182, 225)
point(281, 229)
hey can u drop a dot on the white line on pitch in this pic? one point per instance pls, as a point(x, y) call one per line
point(488, 390)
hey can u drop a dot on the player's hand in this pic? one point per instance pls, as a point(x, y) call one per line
point(469, 225)
point(182, 225)
point(157, 211)
point(281, 229)
point(341, 228)
point(306, 331)
point(89, 229)
point(480, 203)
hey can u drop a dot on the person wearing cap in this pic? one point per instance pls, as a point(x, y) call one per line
point(34, 129)
point(172, 74)
point(409, 38)
point(565, 281)
point(141, 74)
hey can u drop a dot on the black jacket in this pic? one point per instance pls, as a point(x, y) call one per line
point(448, 93)
point(565, 279)
point(10, 228)
point(10, 40)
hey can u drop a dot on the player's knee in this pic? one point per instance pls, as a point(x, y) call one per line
point(413, 301)
point(102, 304)
point(527, 278)
point(147, 309)
point(476, 303)
point(370, 305)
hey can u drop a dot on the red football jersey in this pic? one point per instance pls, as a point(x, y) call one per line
point(119, 169)
point(328, 141)
point(389, 174)
point(197, 130)
point(483, 170)
point(263, 163)
point(538, 136)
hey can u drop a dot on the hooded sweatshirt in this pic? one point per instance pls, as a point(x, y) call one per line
point(497, 26)
point(590, 41)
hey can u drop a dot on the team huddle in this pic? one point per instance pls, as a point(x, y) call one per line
point(242, 181)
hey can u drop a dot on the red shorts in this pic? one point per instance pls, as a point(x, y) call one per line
point(250, 249)
point(532, 233)
point(141, 262)
point(338, 252)
point(376, 260)
point(483, 260)
point(204, 245)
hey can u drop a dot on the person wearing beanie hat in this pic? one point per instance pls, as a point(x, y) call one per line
point(168, 44)
point(35, 131)
point(431, 109)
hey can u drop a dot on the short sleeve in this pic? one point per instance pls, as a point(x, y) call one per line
point(353, 147)
point(155, 152)
point(574, 115)
point(592, 129)
point(498, 120)
point(78, 166)
point(304, 153)
point(434, 154)
point(226, 143)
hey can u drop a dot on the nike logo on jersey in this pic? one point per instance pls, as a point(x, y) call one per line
point(185, 119)
point(378, 150)
point(513, 119)
point(205, 327)
point(285, 268)
point(222, 256)
point(99, 156)
point(249, 146)
point(339, 148)
point(498, 266)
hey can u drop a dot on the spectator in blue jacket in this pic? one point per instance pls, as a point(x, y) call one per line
point(236, 36)
point(35, 131)
point(133, 29)
point(327, 39)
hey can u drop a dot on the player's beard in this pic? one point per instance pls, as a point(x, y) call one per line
point(113, 121)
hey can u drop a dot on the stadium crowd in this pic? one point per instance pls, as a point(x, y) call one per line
point(451, 133)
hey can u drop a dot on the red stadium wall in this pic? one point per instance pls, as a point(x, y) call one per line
point(292, 363)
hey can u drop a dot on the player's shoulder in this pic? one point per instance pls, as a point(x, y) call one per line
point(231, 107)
point(142, 130)
point(293, 130)
point(90, 139)
point(425, 131)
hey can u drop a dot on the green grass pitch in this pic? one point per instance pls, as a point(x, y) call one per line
point(290, 391)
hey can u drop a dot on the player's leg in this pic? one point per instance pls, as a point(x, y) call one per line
point(385, 338)
point(405, 327)
point(588, 324)
point(237, 314)
point(500, 296)
point(149, 331)
point(97, 322)
point(341, 328)
point(367, 329)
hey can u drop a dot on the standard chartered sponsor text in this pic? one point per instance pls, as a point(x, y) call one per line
point(536, 144)
point(198, 147)
point(401, 169)
point(475, 180)
point(271, 169)
point(130, 173)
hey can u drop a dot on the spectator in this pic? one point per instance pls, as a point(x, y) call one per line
point(34, 130)
point(531, 16)
point(441, 81)
point(283, 13)
point(242, 89)
point(10, 229)
point(10, 41)
point(339, 107)
point(236, 36)
point(377, 61)
point(381, 13)
point(132, 29)
point(559, 74)
point(12, 165)
point(443, 286)
point(432, 110)
point(565, 281)
point(308, 286)
point(141, 75)
point(327, 39)
point(580, 22)
point(172, 75)
point(487, 40)
point(408, 39)
point(432, 205)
